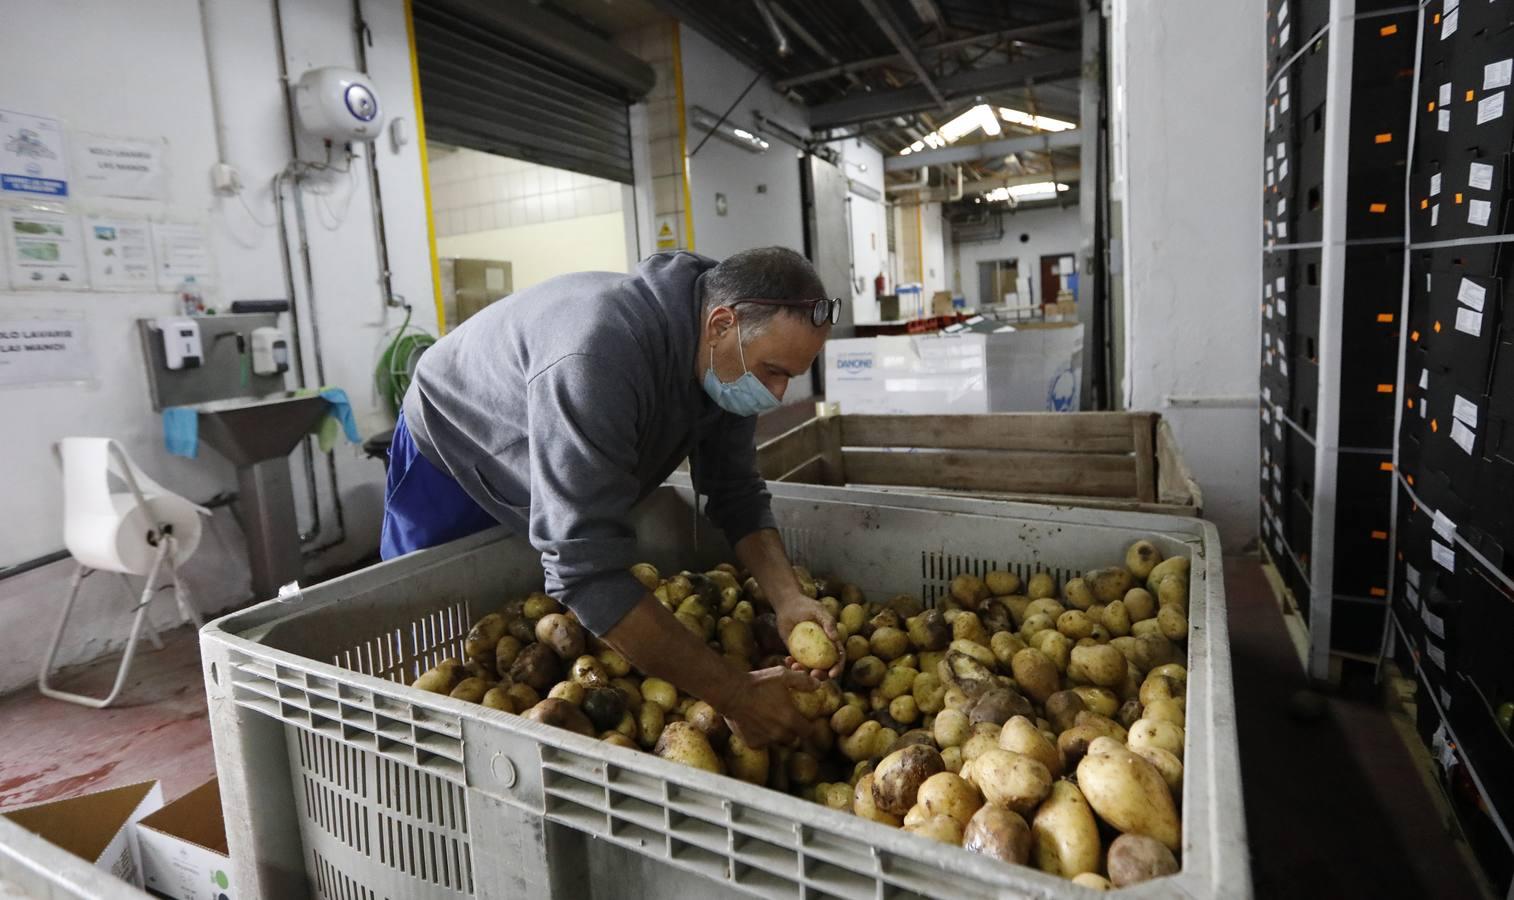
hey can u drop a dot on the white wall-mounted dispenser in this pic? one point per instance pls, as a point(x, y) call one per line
point(270, 351)
point(181, 342)
point(338, 104)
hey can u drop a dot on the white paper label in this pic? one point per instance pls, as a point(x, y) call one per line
point(1436, 655)
point(1269, 178)
point(1282, 307)
point(1465, 410)
point(1445, 703)
point(1266, 291)
point(1271, 119)
point(1283, 103)
point(1282, 150)
point(1282, 284)
point(1449, 23)
point(1282, 206)
point(1282, 36)
point(1443, 555)
point(1471, 293)
point(1424, 410)
point(1480, 176)
point(1266, 451)
point(1496, 74)
point(1267, 227)
point(1282, 15)
point(1277, 473)
point(1443, 120)
point(1277, 430)
point(1443, 526)
point(1479, 212)
point(1435, 215)
point(1490, 108)
point(1435, 185)
point(1424, 379)
point(1267, 308)
point(1433, 623)
point(1411, 575)
point(1266, 339)
point(1412, 595)
point(1267, 163)
point(1282, 170)
point(1469, 321)
point(1445, 95)
point(1266, 473)
point(1463, 436)
point(1282, 365)
point(1282, 229)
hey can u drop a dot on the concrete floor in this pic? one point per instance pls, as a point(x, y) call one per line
point(1334, 808)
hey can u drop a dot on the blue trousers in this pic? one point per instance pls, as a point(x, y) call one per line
point(424, 506)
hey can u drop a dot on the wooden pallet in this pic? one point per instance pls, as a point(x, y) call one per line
point(1105, 460)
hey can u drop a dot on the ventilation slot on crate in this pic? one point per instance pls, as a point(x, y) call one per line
point(332, 883)
point(335, 782)
point(937, 569)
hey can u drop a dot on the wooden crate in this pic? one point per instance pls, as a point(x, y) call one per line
point(1106, 460)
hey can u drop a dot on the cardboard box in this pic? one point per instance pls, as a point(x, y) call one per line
point(183, 848)
point(941, 304)
point(96, 827)
point(1014, 369)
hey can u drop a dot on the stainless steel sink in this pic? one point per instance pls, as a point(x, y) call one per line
point(248, 430)
point(257, 434)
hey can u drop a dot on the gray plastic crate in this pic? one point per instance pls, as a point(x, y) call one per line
point(340, 781)
point(35, 868)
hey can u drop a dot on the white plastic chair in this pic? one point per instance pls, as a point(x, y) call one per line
point(136, 531)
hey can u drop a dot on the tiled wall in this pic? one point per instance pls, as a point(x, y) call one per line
point(655, 45)
point(473, 191)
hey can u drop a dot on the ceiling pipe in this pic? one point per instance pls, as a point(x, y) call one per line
point(902, 43)
point(793, 25)
point(957, 194)
point(781, 39)
point(919, 185)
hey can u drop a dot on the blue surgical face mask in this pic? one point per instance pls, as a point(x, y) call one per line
point(746, 396)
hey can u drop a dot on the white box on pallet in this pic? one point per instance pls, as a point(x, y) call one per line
point(183, 848)
point(96, 827)
point(1022, 369)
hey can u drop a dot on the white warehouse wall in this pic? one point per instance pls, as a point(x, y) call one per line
point(1051, 231)
point(863, 164)
point(140, 70)
point(1187, 110)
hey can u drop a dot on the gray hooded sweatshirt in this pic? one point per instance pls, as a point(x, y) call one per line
point(560, 407)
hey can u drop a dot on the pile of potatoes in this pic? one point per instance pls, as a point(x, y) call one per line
point(1038, 724)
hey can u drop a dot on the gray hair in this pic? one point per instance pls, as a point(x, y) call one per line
point(767, 273)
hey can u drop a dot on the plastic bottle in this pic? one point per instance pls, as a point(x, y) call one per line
point(190, 297)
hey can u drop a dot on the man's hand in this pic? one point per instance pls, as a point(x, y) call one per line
point(763, 713)
point(793, 608)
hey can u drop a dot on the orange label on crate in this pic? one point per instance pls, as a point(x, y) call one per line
point(1430, 107)
point(1385, 318)
point(1436, 20)
point(1378, 208)
point(1379, 535)
point(1434, 425)
point(1387, 30)
point(1424, 204)
point(1414, 335)
point(1385, 389)
point(1458, 199)
point(1409, 402)
point(1437, 328)
point(1379, 592)
point(1385, 138)
point(1470, 95)
point(1387, 466)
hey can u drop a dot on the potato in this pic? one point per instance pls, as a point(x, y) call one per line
point(647, 574)
point(1041, 585)
point(1176, 672)
point(1073, 743)
point(1167, 710)
point(952, 756)
point(743, 612)
point(1128, 713)
point(945, 794)
point(606, 708)
point(659, 692)
point(562, 634)
point(471, 689)
point(618, 739)
point(977, 744)
point(1141, 557)
point(538, 604)
point(481, 639)
point(650, 720)
point(904, 710)
point(1116, 619)
point(1101, 664)
point(1062, 709)
point(1102, 724)
point(811, 704)
point(1076, 624)
point(884, 742)
point(966, 626)
point(867, 672)
point(888, 643)
point(1172, 622)
point(1177, 565)
point(1173, 591)
point(929, 693)
point(709, 722)
point(1170, 767)
point(736, 638)
point(1019, 735)
point(852, 617)
point(522, 696)
point(811, 646)
point(538, 665)
point(571, 691)
point(804, 768)
point(939, 828)
point(440, 678)
point(951, 728)
point(998, 832)
point(588, 672)
point(1130, 794)
point(1004, 646)
point(506, 649)
point(498, 698)
point(836, 795)
point(858, 745)
point(1065, 833)
point(1002, 583)
point(1034, 623)
point(1157, 648)
point(1159, 687)
point(681, 742)
point(857, 647)
point(969, 590)
point(897, 681)
point(1100, 700)
point(1134, 858)
point(863, 805)
point(1057, 647)
point(1079, 595)
point(846, 720)
point(1035, 673)
point(1140, 605)
point(1047, 606)
point(1109, 584)
point(1091, 881)
point(998, 705)
point(1156, 733)
point(562, 714)
point(1012, 780)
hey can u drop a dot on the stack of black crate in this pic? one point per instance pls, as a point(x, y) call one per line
point(1295, 295)
point(1454, 586)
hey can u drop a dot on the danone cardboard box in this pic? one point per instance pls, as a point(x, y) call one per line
point(183, 847)
point(1014, 369)
point(96, 827)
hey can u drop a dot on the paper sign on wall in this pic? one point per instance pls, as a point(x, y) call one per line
point(32, 159)
point(39, 351)
point(119, 251)
point(667, 232)
point(44, 250)
point(119, 167)
point(181, 253)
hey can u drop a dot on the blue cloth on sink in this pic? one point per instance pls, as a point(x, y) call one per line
point(341, 410)
point(181, 431)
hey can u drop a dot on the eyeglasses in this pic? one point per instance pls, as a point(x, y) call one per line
point(823, 310)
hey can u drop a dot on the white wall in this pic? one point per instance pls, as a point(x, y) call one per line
point(713, 80)
point(1192, 138)
point(933, 272)
point(139, 70)
point(1052, 231)
point(541, 220)
point(863, 163)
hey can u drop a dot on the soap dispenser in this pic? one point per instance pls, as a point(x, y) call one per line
point(181, 342)
point(270, 351)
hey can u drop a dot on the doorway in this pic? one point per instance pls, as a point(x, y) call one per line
point(998, 282)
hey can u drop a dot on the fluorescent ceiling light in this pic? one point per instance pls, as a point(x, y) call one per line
point(980, 117)
point(740, 137)
point(1039, 123)
point(1038, 190)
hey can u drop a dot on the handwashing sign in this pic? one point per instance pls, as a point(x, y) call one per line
point(40, 351)
point(32, 160)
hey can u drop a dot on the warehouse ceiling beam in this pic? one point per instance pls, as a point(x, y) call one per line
point(884, 19)
point(873, 62)
point(963, 153)
point(915, 98)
